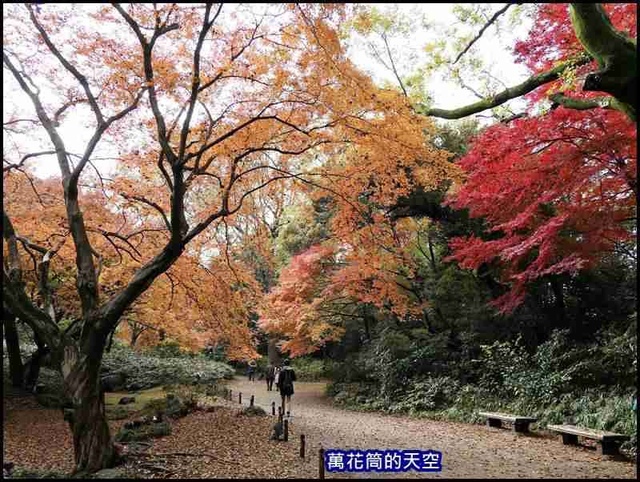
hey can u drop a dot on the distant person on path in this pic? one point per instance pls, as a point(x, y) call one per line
point(276, 376)
point(269, 375)
point(285, 383)
point(251, 370)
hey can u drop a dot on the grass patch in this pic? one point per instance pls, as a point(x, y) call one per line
point(144, 399)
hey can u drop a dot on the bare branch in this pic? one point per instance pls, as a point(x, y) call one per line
point(24, 158)
point(67, 65)
point(393, 65)
point(484, 27)
point(149, 203)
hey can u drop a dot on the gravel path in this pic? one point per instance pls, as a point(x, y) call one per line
point(469, 451)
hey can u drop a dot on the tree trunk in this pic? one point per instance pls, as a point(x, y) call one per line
point(558, 298)
point(93, 447)
point(16, 370)
point(272, 351)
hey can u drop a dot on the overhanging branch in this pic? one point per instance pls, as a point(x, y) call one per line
point(521, 89)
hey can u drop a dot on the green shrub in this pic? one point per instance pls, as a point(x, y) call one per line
point(254, 411)
point(309, 369)
point(50, 400)
point(167, 349)
point(427, 394)
point(144, 432)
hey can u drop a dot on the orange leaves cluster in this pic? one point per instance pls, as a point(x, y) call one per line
point(321, 285)
point(292, 308)
point(277, 101)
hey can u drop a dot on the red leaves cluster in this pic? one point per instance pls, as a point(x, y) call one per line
point(559, 187)
point(553, 40)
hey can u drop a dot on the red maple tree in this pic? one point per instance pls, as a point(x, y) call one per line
point(559, 187)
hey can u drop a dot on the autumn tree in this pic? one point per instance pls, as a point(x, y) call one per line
point(556, 183)
point(559, 188)
point(204, 106)
point(556, 187)
point(594, 49)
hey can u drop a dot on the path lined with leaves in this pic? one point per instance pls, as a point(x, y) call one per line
point(222, 444)
point(469, 451)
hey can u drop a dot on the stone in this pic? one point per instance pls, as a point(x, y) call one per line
point(126, 400)
point(112, 382)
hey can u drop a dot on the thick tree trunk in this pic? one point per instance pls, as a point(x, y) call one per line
point(272, 351)
point(93, 447)
point(16, 370)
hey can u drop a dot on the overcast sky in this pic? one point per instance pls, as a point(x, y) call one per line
point(494, 50)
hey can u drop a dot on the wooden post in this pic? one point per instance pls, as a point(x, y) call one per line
point(273, 408)
point(321, 464)
point(240, 397)
point(302, 441)
point(251, 401)
point(229, 394)
point(286, 430)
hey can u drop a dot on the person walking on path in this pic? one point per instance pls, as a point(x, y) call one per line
point(269, 375)
point(276, 376)
point(285, 383)
point(251, 371)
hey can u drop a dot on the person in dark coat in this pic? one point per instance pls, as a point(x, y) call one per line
point(269, 375)
point(285, 383)
point(251, 370)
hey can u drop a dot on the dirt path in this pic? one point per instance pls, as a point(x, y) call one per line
point(469, 451)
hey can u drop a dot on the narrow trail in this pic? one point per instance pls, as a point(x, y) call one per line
point(469, 451)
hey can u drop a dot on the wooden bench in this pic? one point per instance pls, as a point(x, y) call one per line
point(609, 441)
point(520, 424)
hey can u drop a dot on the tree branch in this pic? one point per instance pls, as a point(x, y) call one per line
point(523, 88)
point(615, 53)
point(67, 65)
point(149, 203)
point(485, 27)
point(585, 104)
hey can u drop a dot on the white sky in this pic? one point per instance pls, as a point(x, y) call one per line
point(494, 50)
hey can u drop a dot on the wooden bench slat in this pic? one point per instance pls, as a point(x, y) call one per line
point(507, 417)
point(586, 432)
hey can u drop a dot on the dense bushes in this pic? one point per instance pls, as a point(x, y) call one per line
point(560, 379)
point(144, 370)
point(309, 369)
point(136, 371)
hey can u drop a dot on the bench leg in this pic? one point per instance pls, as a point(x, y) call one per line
point(521, 427)
point(494, 422)
point(609, 447)
point(569, 439)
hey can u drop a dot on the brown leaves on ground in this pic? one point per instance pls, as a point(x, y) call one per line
point(218, 444)
point(222, 444)
point(38, 438)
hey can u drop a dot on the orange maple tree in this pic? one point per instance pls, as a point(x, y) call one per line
point(204, 106)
